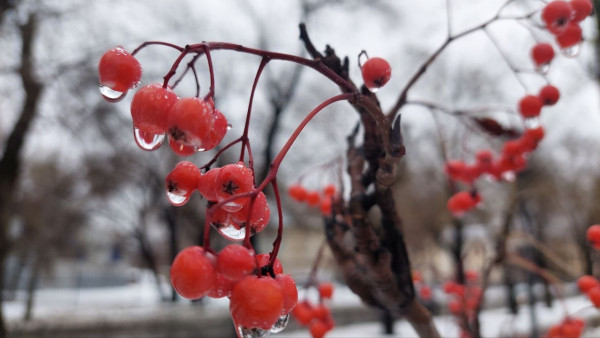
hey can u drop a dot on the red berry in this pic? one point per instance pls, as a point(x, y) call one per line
point(425, 293)
point(557, 15)
point(235, 262)
point(326, 290)
point(549, 95)
point(119, 70)
point(462, 202)
point(193, 273)
point(150, 107)
point(222, 287)
point(329, 190)
point(297, 192)
point(290, 292)
point(585, 283)
point(234, 179)
point(207, 184)
point(581, 9)
point(218, 131)
point(570, 36)
point(455, 306)
point(180, 148)
point(190, 121)
point(593, 235)
point(325, 205)
point(259, 217)
point(263, 259)
point(256, 302)
point(376, 72)
point(181, 182)
point(313, 198)
point(594, 295)
point(531, 138)
point(530, 106)
point(303, 312)
point(542, 54)
point(318, 329)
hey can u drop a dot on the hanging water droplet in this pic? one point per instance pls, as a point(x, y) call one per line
point(147, 141)
point(509, 176)
point(252, 332)
point(280, 324)
point(532, 122)
point(543, 68)
point(111, 95)
point(200, 149)
point(572, 51)
point(232, 232)
point(229, 126)
point(374, 89)
point(177, 197)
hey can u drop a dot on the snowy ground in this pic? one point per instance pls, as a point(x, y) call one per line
point(140, 300)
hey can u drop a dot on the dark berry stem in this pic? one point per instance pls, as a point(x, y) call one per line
point(277, 242)
point(148, 43)
point(211, 90)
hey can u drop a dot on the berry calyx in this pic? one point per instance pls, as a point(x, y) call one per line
point(376, 72)
point(234, 179)
point(557, 15)
point(190, 120)
point(193, 273)
point(256, 302)
point(119, 70)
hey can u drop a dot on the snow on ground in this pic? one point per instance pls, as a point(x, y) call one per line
point(140, 299)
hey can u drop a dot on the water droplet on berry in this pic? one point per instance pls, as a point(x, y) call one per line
point(177, 197)
point(532, 122)
point(374, 89)
point(509, 176)
point(280, 324)
point(111, 95)
point(229, 126)
point(543, 68)
point(148, 141)
point(254, 332)
point(572, 51)
point(232, 232)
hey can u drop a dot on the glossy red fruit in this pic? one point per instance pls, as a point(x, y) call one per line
point(581, 9)
point(542, 54)
point(376, 72)
point(297, 192)
point(303, 312)
point(290, 292)
point(119, 70)
point(218, 131)
point(462, 202)
point(326, 290)
point(181, 182)
point(263, 259)
point(530, 106)
point(329, 190)
point(557, 15)
point(325, 205)
point(256, 302)
point(234, 179)
point(260, 215)
point(318, 329)
point(593, 235)
point(570, 37)
point(193, 273)
point(222, 287)
point(180, 148)
point(531, 138)
point(585, 283)
point(207, 184)
point(190, 121)
point(150, 106)
point(313, 198)
point(235, 262)
point(549, 95)
point(594, 295)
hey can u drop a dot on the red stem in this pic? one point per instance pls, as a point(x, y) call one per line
point(277, 242)
point(245, 140)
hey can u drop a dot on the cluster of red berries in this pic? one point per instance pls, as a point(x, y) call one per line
point(314, 198)
point(258, 300)
point(376, 72)
point(593, 236)
point(562, 19)
point(591, 287)
point(317, 317)
point(192, 124)
point(465, 297)
point(425, 292)
point(569, 327)
point(222, 185)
